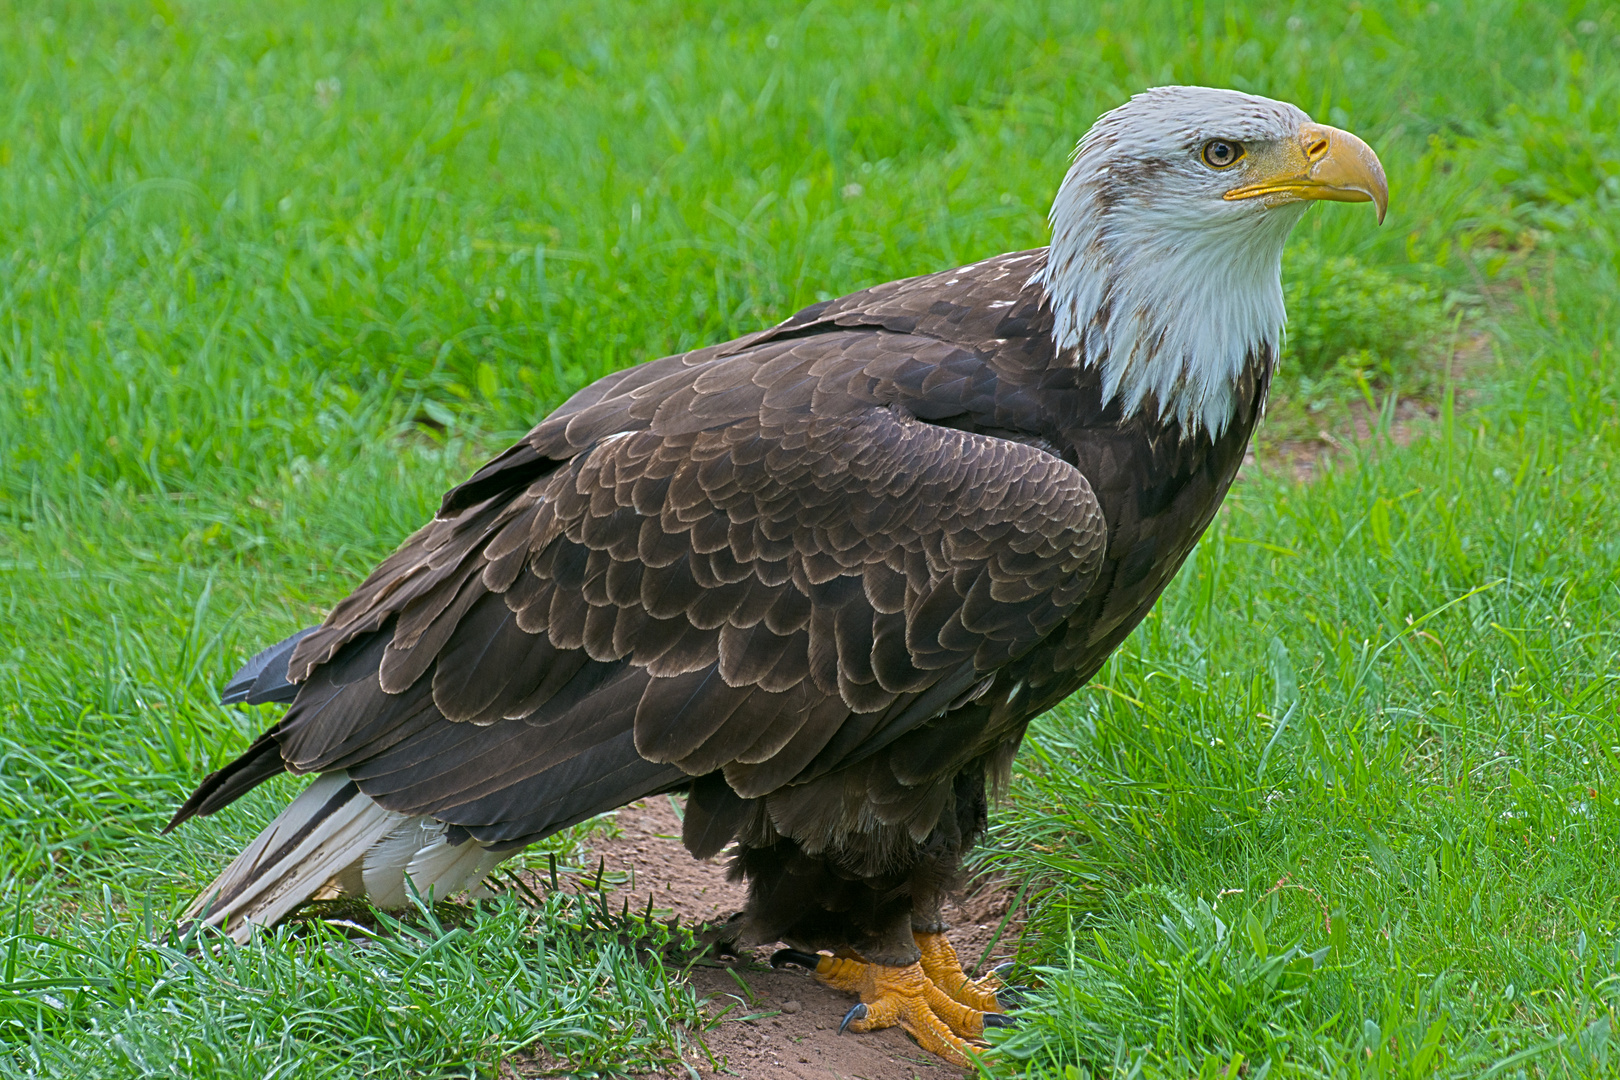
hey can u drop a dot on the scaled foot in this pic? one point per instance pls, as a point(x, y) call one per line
point(931, 999)
point(944, 970)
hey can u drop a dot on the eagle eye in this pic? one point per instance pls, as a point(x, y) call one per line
point(1222, 153)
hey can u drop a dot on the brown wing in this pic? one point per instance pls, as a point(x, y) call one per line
point(760, 563)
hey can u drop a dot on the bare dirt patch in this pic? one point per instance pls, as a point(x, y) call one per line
point(771, 1023)
point(1303, 459)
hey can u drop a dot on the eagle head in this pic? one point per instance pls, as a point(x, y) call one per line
point(1167, 239)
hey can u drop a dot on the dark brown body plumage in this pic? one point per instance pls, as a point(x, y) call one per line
point(821, 577)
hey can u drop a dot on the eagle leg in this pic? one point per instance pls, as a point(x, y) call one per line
point(908, 997)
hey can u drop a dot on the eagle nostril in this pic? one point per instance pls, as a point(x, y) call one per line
point(1315, 149)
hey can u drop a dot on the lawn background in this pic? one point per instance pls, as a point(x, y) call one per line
point(272, 278)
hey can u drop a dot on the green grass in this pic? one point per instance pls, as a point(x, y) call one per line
point(335, 1000)
point(272, 278)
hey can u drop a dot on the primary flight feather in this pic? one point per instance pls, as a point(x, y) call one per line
point(820, 578)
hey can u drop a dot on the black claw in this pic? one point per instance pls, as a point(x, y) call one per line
point(808, 961)
point(1012, 996)
point(856, 1012)
point(1008, 996)
point(999, 1020)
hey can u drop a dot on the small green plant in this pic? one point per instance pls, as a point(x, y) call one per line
point(1355, 333)
point(1344, 316)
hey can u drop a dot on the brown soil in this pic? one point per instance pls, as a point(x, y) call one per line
point(771, 1023)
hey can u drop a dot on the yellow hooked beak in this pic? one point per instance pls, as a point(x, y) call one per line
point(1324, 163)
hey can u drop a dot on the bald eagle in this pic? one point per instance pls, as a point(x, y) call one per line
point(819, 578)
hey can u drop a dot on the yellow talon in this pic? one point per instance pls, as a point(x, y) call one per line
point(931, 999)
point(944, 970)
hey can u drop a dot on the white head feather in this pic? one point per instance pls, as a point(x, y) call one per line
point(1154, 277)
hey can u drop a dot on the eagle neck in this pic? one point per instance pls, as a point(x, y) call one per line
point(1170, 309)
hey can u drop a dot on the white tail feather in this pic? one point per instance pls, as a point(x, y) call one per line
point(441, 870)
point(330, 841)
point(417, 849)
point(383, 867)
point(314, 839)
